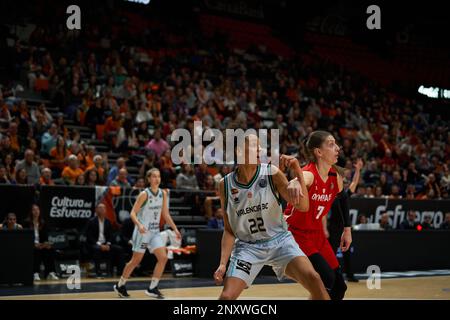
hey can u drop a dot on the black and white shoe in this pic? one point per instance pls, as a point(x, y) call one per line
point(121, 291)
point(154, 293)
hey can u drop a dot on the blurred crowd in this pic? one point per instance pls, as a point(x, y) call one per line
point(133, 96)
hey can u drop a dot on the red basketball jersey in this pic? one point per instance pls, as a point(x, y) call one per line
point(321, 196)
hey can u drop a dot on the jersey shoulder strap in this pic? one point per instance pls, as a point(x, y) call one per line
point(311, 167)
point(272, 185)
point(226, 189)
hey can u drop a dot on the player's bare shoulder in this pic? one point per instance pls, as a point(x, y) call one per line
point(309, 178)
point(143, 195)
point(340, 181)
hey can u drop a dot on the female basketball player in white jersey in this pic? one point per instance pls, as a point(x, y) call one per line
point(255, 232)
point(146, 215)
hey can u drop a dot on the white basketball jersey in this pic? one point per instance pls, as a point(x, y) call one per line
point(150, 213)
point(254, 210)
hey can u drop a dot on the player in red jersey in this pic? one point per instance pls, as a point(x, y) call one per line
point(324, 185)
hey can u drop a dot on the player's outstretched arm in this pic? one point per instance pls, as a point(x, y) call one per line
point(136, 208)
point(228, 239)
point(355, 181)
point(166, 215)
point(296, 190)
point(343, 209)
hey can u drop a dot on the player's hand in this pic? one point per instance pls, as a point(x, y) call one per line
point(289, 162)
point(142, 229)
point(327, 234)
point(178, 234)
point(218, 275)
point(346, 239)
point(359, 164)
point(295, 192)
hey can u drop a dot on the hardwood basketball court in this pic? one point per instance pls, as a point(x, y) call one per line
point(434, 287)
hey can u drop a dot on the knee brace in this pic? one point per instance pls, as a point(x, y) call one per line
point(324, 270)
point(339, 287)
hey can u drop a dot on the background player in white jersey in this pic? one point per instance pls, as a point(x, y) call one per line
point(255, 232)
point(146, 215)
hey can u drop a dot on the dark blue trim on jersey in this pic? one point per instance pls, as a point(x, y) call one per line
point(154, 194)
point(272, 187)
point(225, 183)
point(247, 186)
